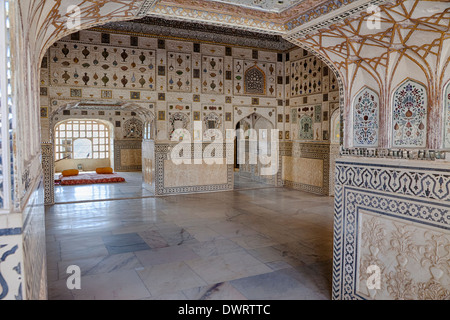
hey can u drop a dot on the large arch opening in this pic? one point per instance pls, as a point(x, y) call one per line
point(126, 126)
point(176, 104)
point(188, 103)
point(117, 232)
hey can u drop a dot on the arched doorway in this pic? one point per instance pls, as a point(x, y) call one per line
point(46, 43)
point(118, 145)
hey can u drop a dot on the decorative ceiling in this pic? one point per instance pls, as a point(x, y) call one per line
point(412, 29)
point(265, 5)
point(268, 15)
point(155, 26)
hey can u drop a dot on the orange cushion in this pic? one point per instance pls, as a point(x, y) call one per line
point(104, 170)
point(70, 172)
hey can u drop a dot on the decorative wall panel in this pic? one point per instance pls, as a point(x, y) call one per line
point(447, 117)
point(81, 65)
point(212, 75)
point(306, 128)
point(365, 119)
point(169, 69)
point(254, 78)
point(179, 117)
point(127, 155)
point(305, 76)
point(163, 154)
point(312, 91)
point(132, 129)
point(179, 66)
point(395, 217)
point(410, 115)
point(212, 122)
point(317, 156)
point(413, 259)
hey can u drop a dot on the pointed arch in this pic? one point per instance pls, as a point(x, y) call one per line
point(335, 127)
point(254, 81)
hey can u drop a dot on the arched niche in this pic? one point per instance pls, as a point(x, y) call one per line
point(255, 81)
point(366, 118)
point(409, 115)
point(335, 127)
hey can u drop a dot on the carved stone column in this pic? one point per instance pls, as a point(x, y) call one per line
point(48, 166)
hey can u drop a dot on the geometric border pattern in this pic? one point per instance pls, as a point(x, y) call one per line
point(419, 195)
point(125, 144)
point(411, 181)
point(48, 166)
point(162, 153)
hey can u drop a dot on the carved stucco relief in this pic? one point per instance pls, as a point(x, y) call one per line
point(414, 261)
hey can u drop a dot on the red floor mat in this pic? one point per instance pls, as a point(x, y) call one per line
point(89, 178)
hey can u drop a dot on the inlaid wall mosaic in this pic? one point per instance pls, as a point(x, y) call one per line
point(312, 90)
point(135, 68)
point(179, 66)
point(306, 128)
point(212, 121)
point(212, 75)
point(366, 119)
point(447, 117)
point(409, 115)
point(306, 76)
point(82, 65)
point(179, 117)
point(11, 255)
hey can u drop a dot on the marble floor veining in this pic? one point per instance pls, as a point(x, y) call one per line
point(269, 243)
point(131, 188)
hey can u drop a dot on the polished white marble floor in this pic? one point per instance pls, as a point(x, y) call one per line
point(242, 182)
point(132, 188)
point(270, 243)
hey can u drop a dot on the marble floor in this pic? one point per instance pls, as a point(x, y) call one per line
point(242, 182)
point(271, 243)
point(132, 188)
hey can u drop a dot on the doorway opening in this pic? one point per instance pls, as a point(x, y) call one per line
point(98, 151)
point(252, 141)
